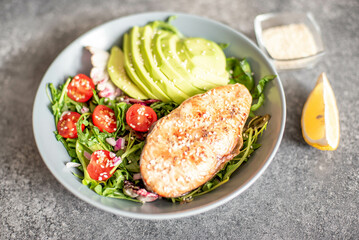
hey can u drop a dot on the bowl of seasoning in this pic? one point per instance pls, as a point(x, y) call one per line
point(291, 40)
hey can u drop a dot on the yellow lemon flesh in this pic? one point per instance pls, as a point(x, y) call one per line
point(320, 117)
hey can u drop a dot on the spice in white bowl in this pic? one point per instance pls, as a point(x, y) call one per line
point(291, 41)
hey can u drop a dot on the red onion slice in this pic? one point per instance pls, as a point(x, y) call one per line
point(139, 101)
point(130, 192)
point(87, 155)
point(117, 160)
point(72, 165)
point(140, 193)
point(84, 109)
point(120, 144)
point(145, 196)
point(111, 141)
point(137, 176)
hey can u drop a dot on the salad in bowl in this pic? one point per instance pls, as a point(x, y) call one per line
point(159, 113)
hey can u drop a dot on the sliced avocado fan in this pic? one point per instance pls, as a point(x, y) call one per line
point(165, 65)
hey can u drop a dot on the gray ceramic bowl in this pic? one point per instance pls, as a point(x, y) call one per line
point(74, 59)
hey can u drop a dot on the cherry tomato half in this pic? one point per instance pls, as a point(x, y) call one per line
point(66, 126)
point(80, 88)
point(101, 164)
point(140, 117)
point(104, 118)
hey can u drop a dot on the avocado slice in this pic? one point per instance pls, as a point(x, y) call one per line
point(131, 71)
point(154, 72)
point(184, 65)
point(167, 64)
point(116, 70)
point(208, 60)
point(139, 67)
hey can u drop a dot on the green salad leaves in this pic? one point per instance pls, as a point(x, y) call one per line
point(92, 139)
point(240, 72)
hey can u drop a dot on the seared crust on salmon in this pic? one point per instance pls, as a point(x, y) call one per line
point(190, 145)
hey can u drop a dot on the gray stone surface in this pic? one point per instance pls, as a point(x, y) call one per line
point(304, 194)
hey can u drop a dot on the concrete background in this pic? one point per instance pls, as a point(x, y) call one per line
point(304, 194)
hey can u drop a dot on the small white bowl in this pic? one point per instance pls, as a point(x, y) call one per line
point(269, 20)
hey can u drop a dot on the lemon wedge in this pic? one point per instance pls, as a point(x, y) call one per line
point(320, 117)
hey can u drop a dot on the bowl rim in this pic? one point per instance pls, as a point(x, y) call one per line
point(183, 213)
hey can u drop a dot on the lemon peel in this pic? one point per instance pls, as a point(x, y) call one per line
point(320, 117)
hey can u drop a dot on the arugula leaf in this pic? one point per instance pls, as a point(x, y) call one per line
point(258, 92)
point(92, 137)
point(166, 26)
point(96, 100)
point(120, 112)
point(101, 138)
point(87, 180)
point(70, 150)
point(115, 193)
point(223, 45)
point(259, 103)
point(162, 109)
point(171, 18)
point(83, 136)
point(57, 99)
point(240, 72)
point(60, 102)
point(232, 167)
point(133, 158)
point(259, 89)
point(117, 180)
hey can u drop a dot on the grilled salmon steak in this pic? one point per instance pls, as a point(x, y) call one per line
point(186, 148)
